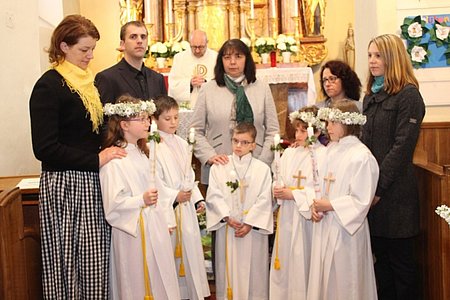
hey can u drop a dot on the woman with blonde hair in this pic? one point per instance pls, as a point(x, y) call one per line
point(394, 109)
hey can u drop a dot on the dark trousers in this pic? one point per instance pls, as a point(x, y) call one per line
point(395, 268)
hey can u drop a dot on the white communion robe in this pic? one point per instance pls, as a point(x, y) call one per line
point(341, 255)
point(172, 157)
point(185, 65)
point(293, 236)
point(247, 257)
point(123, 182)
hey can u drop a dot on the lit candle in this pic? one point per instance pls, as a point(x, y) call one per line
point(295, 8)
point(274, 8)
point(252, 9)
point(147, 17)
point(191, 135)
point(276, 139)
point(310, 130)
point(169, 11)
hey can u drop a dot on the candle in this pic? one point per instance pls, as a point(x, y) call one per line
point(191, 135)
point(274, 8)
point(147, 17)
point(153, 128)
point(310, 130)
point(276, 139)
point(169, 12)
point(128, 11)
point(295, 8)
point(252, 9)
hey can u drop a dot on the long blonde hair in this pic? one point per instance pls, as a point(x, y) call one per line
point(398, 68)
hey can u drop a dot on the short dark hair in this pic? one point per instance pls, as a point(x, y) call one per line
point(350, 81)
point(123, 29)
point(347, 105)
point(235, 46)
point(245, 127)
point(164, 103)
point(69, 31)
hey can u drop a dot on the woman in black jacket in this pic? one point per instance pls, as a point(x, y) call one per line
point(394, 109)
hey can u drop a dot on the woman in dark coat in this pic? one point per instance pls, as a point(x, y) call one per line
point(394, 109)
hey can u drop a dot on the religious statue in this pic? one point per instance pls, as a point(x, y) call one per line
point(349, 48)
point(314, 13)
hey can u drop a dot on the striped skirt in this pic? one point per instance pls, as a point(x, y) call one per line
point(74, 235)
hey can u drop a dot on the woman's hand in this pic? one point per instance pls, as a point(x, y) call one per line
point(184, 196)
point(110, 153)
point(219, 159)
point(150, 197)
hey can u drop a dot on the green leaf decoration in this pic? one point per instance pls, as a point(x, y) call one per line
point(154, 137)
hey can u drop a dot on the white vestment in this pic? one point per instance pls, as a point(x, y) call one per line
point(293, 236)
point(185, 65)
point(123, 182)
point(172, 157)
point(247, 258)
point(341, 255)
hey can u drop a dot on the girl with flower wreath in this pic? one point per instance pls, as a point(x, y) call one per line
point(141, 263)
point(341, 257)
point(295, 192)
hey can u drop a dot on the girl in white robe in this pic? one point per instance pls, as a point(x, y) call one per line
point(177, 176)
point(341, 256)
point(295, 192)
point(131, 204)
point(239, 209)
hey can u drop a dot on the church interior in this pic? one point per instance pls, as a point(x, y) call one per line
point(322, 30)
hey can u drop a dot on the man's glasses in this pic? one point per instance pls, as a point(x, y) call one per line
point(243, 143)
point(143, 120)
point(330, 79)
point(202, 47)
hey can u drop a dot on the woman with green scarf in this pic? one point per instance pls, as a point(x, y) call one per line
point(66, 116)
point(233, 97)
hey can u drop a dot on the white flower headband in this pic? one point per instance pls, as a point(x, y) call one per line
point(128, 109)
point(308, 118)
point(346, 118)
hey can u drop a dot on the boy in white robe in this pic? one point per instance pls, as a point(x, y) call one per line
point(294, 191)
point(175, 171)
point(131, 204)
point(239, 209)
point(341, 256)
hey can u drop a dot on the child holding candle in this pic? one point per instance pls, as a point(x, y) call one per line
point(295, 192)
point(174, 169)
point(343, 269)
point(239, 210)
point(141, 260)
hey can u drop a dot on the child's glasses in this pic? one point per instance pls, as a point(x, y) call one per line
point(143, 120)
point(243, 143)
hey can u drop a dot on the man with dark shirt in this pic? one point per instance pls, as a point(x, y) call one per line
point(130, 75)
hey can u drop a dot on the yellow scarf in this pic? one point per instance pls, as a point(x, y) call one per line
point(82, 82)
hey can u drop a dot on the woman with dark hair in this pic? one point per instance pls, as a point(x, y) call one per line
point(337, 82)
point(233, 97)
point(66, 117)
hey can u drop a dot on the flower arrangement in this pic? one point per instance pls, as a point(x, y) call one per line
point(308, 118)
point(128, 109)
point(264, 45)
point(286, 44)
point(201, 218)
point(346, 118)
point(233, 184)
point(444, 212)
point(166, 49)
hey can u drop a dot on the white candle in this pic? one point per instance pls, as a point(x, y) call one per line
point(191, 135)
point(252, 9)
point(274, 8)
point(128, 11)
point(310, 130)
point(153, 128)
point(147, 18)
point(295, 8)
point(276, 139)
point(169, 11)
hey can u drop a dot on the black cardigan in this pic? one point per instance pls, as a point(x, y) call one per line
point(391, 133)
point(61, 128)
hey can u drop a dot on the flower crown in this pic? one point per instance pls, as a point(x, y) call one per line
point(346, 118)
point(128, 109)
point(308, 118)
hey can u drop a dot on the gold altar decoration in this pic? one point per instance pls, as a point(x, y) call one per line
point(172, 20)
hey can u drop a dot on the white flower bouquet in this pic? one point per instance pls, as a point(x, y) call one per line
point(286, 44)
point(264, 45)
point(444, 212)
